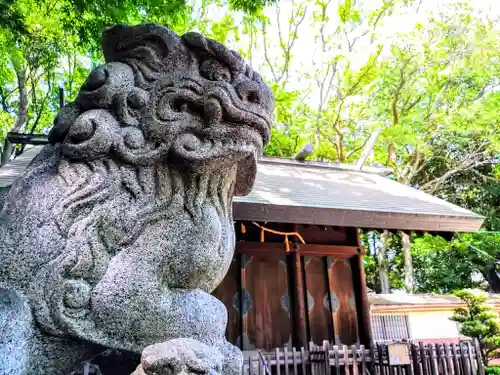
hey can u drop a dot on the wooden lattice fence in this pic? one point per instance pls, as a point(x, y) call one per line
point(430, 359)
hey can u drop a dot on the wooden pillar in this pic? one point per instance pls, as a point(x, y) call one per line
point(298, 307)
point(241, 259)
point(360, 291)
point(335, 329)
point(241, 283)
point(362, 304)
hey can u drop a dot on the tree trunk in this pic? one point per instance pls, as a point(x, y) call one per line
point(408, 263)
point(484, 351)
point(383, 270)
point(22, 115)
point(340, 147)
point(6, 152)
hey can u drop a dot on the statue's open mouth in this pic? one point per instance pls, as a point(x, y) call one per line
point(213, 108)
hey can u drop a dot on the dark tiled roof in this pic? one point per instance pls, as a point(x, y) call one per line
point(289, 191)
point(297, 185)
point(328, 194)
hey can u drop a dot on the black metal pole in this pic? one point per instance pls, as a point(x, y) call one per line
point(61, 97)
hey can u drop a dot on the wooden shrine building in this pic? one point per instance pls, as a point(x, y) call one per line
point(297, 273)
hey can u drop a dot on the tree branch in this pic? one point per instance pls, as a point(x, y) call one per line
point(3, 100)
point(40, 110)
point(322, 28)
point(397, 92)
point(23, 100)
point(292, 36)
point(433, 185)
point(352, 152)
point(266, 53)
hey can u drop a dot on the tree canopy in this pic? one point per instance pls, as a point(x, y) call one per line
point(87, 18)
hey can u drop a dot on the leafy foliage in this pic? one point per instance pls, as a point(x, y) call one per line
point(11, 18)
point(479, 321)
point(442, 266)
point(432, 89)
point(492, 370)
point(87, 18)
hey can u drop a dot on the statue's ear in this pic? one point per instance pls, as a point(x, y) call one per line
point(245, 176)
point(212, 48)
point(147, 47)
point(150, 42)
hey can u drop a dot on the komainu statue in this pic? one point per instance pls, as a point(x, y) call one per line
point(119, 230)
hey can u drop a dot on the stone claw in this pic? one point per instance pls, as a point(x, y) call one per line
point(179, 357)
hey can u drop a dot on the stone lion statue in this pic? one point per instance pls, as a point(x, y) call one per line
point(119, 230)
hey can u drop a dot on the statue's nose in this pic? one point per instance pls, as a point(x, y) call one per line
point(248, 91)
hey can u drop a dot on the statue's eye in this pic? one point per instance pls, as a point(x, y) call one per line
point(215, 71)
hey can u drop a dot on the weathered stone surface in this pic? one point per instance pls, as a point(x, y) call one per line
point(26, 350)
point(180, 357)
point(119, 230)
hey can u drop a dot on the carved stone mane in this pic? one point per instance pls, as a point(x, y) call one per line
point(119, 230)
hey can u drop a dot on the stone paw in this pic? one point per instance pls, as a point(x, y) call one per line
point(182, 356)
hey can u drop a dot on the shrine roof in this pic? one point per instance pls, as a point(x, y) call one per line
point(400, 302)
point(338, 195)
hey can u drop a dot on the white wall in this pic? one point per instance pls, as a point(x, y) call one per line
point(432, 325)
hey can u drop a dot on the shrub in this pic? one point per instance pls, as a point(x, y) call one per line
point(492, 370)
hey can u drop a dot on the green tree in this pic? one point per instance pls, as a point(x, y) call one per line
point(384, 262)
point(325, 110)
point(442, 267)
point(432, 89)
point(435, 96)
point(478, 321)
point(87, 18)
point(32, 66)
